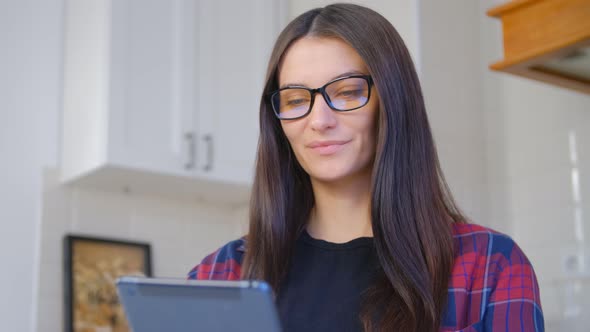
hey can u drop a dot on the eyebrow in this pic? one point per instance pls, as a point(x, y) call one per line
point(348, 73)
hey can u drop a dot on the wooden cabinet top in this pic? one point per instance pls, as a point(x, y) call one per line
point(546, 40)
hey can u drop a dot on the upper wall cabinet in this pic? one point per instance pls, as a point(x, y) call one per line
point(163, 95)
point(547, 40)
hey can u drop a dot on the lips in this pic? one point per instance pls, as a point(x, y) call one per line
point(327, 147)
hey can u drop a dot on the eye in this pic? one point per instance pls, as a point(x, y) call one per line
point(297, 102)
point(350, 93)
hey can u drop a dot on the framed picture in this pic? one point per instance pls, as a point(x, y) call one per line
point(91, 267)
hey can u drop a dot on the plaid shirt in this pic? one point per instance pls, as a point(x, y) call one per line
point(493, 286)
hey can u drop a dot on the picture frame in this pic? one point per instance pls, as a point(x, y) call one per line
point(91, 267)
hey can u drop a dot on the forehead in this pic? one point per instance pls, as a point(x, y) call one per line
point(313, 61)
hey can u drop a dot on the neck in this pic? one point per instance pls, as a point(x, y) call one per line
point(342, 210)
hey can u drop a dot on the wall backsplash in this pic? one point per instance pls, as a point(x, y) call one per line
point(181, 233)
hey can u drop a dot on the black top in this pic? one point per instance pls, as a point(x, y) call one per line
point(324, 286)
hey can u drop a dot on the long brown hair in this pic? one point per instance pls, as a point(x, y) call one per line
point(411, 207)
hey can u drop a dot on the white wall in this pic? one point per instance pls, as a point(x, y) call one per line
point(550, 221)
point(451, 81)
point(30, 35)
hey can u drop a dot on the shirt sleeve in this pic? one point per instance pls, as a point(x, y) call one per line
point(223, 264)
point(514, 300)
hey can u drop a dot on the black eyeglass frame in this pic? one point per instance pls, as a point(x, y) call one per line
point(322, 91)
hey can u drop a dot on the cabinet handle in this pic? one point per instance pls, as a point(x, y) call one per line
point(209, 141)
point(190, 138)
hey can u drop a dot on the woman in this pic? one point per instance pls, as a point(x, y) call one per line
point(351, 221)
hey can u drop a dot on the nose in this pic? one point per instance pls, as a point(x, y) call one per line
point(321, 116)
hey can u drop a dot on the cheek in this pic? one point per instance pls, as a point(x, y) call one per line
point(369, 130)
point(367, 123)
point(293, 134)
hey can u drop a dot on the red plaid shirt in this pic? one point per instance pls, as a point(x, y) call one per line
point(493, 286)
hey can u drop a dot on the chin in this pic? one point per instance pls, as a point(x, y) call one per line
point(327, 178)
point(330, 174)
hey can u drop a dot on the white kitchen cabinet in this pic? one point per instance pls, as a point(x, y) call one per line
point(162, 95)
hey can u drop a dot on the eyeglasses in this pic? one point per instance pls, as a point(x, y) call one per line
point(342, 94)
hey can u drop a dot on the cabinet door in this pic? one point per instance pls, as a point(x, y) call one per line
point(152, 85)
point(235, 40)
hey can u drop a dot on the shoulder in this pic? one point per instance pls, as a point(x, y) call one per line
point(487, 252)
point(223, 264)
point(492, 270)
point(479, 244)
point(477, 239)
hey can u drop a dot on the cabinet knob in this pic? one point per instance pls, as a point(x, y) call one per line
point(190, 139)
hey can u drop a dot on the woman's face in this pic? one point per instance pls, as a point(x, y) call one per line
point(329, 145)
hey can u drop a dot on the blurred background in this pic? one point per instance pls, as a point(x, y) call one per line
point(137, 120)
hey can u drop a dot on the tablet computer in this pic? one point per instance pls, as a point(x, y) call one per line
point(153, 304)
